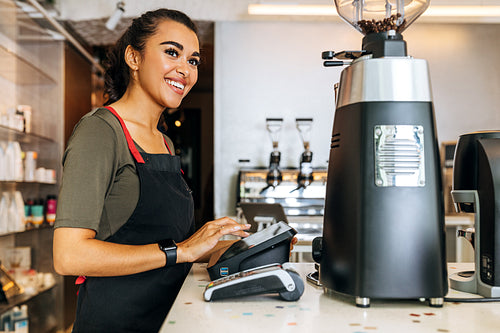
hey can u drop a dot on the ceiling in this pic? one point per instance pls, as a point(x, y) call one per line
point(86, 19)
point(94, 33)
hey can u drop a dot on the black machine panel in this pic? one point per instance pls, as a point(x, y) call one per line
point(382, 242)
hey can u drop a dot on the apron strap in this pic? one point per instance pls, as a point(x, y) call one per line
point(166, 144)
point(130, 142)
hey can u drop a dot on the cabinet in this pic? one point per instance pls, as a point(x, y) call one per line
point(31, 73)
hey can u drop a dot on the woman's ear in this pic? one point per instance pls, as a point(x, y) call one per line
point(132, 58)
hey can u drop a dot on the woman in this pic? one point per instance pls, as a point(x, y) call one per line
point(125, 214)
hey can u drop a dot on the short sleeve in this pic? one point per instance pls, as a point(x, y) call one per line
point(170, 144)
point(89, 166)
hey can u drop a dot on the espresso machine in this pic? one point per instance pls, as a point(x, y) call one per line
point(383, 229)
point(476, 189)
point(300, 191)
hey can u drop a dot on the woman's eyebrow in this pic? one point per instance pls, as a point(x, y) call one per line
point(180, 47)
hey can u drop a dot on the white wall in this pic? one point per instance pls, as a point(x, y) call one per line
point(274, 69)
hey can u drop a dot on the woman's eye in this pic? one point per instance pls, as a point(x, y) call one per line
point(172, 52)
point(194, 62)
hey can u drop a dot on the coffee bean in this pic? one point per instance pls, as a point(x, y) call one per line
point(388, 23)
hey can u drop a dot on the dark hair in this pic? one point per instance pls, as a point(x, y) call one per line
point(117, 75)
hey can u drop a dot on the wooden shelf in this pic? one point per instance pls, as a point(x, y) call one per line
point(43, 226)
point(18, 68)
point(23, 298)
point(10, 134)
point(24, 182)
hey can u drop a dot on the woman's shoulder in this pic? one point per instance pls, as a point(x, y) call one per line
point(99, 131)
point(100, 117)
point(98, 124)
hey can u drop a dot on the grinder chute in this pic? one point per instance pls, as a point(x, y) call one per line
point(383, 230)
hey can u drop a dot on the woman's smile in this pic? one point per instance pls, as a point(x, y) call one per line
point(177, 85)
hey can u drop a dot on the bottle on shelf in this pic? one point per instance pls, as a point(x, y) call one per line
point(17, 162)
point(13, 215)
point(28, 215)
point(50, 209)
point(25, 111)
point(37, 216)
point(9, 161)
point(3, 161)
point(20, 319)
point(30, 166)
point(20, 224)
point(4, 212)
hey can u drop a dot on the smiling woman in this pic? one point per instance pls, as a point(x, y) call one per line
point(125, 214)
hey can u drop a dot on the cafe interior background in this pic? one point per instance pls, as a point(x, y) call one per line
point(255, 67)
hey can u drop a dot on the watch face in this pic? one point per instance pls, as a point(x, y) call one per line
point(167, 244)
point(169, 247)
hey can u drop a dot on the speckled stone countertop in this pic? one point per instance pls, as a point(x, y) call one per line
point(317, 311)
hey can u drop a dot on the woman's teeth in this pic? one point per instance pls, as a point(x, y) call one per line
point(175, 84)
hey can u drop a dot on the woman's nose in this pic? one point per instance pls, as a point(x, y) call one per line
point(183, 68)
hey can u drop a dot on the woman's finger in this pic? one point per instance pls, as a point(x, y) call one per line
point(232, 228)
point(240, 233)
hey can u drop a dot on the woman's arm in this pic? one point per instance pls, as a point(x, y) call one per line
point(77, 252)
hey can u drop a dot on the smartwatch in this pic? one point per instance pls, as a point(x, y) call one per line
point(169, 247)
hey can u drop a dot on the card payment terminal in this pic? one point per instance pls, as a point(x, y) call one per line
point(268, 279)
point(268, 246)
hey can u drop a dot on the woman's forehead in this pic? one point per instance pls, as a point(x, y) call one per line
point(169, 30)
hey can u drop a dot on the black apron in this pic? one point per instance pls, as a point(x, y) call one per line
point(140, 302)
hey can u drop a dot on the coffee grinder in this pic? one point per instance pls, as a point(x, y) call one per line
point(476, 189)
point(305, 176)
point(383, 231)
point(274, 176)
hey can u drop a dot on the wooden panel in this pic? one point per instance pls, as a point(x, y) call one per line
point(77, 102)
point(77, 89)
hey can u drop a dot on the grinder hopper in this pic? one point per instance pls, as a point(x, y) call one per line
point(369, 16)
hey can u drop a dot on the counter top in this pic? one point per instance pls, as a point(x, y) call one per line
point(320, 312)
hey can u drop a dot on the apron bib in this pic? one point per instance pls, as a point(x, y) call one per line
point(140, 302)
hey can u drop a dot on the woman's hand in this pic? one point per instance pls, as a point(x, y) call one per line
point(205, 239)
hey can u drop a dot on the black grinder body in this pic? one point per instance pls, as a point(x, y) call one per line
point(383, 231)
point(382, 242)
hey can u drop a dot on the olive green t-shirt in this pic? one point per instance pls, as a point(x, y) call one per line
point(100, 186)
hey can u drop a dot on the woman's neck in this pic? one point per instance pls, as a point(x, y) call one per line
point(138, 111)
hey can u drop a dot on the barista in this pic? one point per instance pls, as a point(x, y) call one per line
point(125, 214)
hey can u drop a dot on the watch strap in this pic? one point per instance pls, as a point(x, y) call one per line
point(169, 247)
